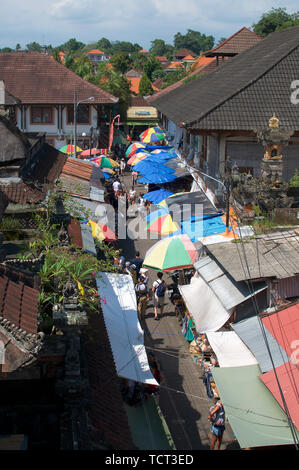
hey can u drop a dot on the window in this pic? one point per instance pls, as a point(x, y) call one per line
point(41, 115)
point(82, 114)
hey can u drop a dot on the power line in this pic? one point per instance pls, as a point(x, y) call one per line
point(256, 307)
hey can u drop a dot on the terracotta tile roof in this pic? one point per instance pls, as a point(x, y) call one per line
point(134, 84)
point(46, 170)
point(37, 78)
point(22, 193)
point(161, 58)
point(201, 61)
point(183, 53)
point(207, 65)
point(174, 65)
point(238, 42)
point(95, 51)
point(188, 57)
point(19, 304)
point(143, 51)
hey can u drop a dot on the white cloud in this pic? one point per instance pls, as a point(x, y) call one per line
point(56, 21)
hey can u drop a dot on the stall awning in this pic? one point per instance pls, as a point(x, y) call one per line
point(229, 292)
point(206, 309)
point(230, 350)
point(254, 415)
point(124, 331)
point(251, 333)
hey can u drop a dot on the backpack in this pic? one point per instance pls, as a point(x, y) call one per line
point(160, 289)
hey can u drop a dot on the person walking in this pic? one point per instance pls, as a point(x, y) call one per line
point(217, 418)
point(138, 262)
point(122, 166)
point(142, 297)
point(134, 176)
point(159, 289)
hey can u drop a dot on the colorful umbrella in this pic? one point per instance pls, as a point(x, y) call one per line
point(104, 162)
point(146, 167)
point(162, 223)
point(153, 134)
point(69, 149)
point(169, 254)
point(131, 150)
point(101, 231)
point(108, 171)
point(88, 152)
point(137, 157)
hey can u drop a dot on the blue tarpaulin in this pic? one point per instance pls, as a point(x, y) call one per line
point(203, 226)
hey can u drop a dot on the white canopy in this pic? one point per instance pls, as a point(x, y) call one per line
point(230, 349)
point(206, 309)
point(124, 331)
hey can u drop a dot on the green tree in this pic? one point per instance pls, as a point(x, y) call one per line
point(121, 62)
point(34, 47)
point(152, 65)
point(104, 45)
point(82, 66)
point(71, 45)
point(294, 181)
point(271, 21)
point(159, 48)
point(116, 84)
point(124, 46)
point(194, 41)
point(18, 47)
point(7, 49)
point(145, 86)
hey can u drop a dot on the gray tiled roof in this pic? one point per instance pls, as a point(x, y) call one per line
point(244, 92)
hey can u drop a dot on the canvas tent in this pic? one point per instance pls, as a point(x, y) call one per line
point(124, 331)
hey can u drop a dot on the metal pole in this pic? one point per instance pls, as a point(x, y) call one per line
point(75, 125)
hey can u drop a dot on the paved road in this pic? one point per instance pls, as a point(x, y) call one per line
point(183, 398)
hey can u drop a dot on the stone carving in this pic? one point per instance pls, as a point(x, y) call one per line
point(70, 292)
point(63, 238)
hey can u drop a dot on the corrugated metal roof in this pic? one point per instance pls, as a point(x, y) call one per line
point(87, 239)
point(267, 256)
point(254, 415)
point(251, 333)
point(229, 292)
point(288, 376)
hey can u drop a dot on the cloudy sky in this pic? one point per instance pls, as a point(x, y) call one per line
point(138, 21)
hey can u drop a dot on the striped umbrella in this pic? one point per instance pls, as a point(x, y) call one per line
point(88, 152)
point(69, 149)
point(137, 157)
point(104, 162)
point(169, 254)
point(161, 222)
point(101, 231)
point(153, 134)
point(132, 149)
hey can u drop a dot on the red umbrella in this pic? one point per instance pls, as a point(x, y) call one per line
point(88, 152)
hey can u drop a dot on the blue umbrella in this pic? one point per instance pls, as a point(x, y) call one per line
point(157, 196)
point(157, 178)
point(145, 167)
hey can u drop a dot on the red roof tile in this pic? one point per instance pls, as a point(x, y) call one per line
point(95, 51)
point(19, 304)
point(238, 42)
point(37, 78)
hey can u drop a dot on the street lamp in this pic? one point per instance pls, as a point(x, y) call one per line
point(76, 104)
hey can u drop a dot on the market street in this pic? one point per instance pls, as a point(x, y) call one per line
point(183, 397)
